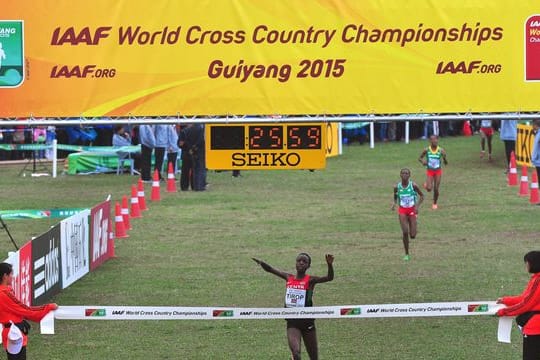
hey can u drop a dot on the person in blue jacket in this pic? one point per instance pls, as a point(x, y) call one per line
point(147, 140)
point(172, 146)
point(162, 141)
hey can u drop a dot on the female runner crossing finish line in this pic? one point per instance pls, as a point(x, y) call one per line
point(299, 293)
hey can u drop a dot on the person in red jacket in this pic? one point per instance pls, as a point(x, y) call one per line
point(13, 312)
point(299, 293)
point(526, 308)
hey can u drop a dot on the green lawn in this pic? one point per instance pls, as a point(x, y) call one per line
point(195, 249)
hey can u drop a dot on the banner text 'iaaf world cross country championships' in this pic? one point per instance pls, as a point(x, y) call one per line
point(260, 57)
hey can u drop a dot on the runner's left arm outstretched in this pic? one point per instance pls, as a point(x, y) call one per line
point(329, 276)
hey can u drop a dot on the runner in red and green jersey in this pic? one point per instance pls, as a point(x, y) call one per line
point(299, 293)
point(433, 154)
point(409, 197)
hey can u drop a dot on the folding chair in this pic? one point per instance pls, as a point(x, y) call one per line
point(122, 157)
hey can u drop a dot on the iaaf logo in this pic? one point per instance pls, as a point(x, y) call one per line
point(535, 23)
point(467, 67)
point(118, 312)
point(373, 311)
point(246, 312)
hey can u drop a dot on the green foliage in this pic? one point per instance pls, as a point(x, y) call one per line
point(195, 249)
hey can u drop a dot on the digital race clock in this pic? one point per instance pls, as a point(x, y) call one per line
point(266, 146)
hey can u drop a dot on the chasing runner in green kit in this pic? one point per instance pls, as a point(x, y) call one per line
point(433, 154)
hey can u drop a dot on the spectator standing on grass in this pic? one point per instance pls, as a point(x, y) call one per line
point(39, 137)
point(186, 173)
point(535, 157)
point(486, 135)
point(147, 139)
point(195, 145)
point(526, 308)
point(14, 313)
point(51, 135)
point(383, 131)
point(161, 132)
point(299, 293)
point(508, 134)
point(4, 154)
point(172, 146)
point(18, 138)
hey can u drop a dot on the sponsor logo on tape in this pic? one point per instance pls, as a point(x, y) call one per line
point(95, 312)
point(350, 311)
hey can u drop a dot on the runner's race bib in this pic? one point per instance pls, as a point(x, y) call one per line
point(406, 201)
point(434, 163)
point(295, 298)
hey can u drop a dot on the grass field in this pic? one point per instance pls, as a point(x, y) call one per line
point(195, 249)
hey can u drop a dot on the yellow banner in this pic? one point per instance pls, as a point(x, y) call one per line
point(199, 57)
point(524, 145)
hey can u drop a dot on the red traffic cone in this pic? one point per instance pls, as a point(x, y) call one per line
point(155, 195)
point(512, 171)
point(467, 128)
point(535, 197)
point(125, 213)
point(120, 230)
point(171, 183)
point(524, 184)
point(110, 241)
point(135, 210)
point(140, 195)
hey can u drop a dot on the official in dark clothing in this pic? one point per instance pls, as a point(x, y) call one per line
point(195, 145)
point(186, 175)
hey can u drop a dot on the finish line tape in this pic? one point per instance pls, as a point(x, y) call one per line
point(320, 312)
point(442, 309)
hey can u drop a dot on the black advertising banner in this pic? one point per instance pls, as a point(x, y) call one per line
point(46, 271)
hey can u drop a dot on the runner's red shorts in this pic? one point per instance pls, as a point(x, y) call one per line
point(432, 173)
point(406, 211)
point(487, 131)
